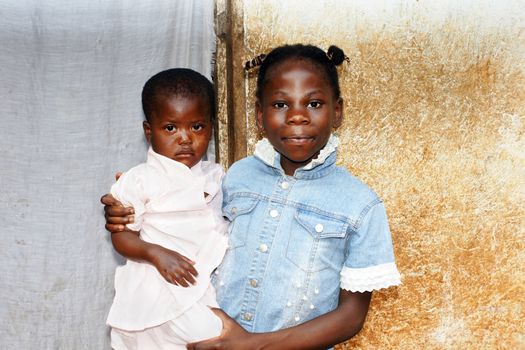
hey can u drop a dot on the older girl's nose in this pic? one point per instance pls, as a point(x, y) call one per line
point(298, 118)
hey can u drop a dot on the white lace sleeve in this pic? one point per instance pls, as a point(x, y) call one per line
point(370, 278)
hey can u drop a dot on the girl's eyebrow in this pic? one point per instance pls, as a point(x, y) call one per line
point(279, 93)
point(308, 94)
point(317, 91)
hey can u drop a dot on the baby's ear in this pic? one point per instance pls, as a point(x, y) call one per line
point(338, 115)
point(147, 131)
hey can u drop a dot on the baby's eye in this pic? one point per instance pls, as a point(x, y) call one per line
point(315, 104)
point(197, 127)
point(170, 127)
point(279, 105)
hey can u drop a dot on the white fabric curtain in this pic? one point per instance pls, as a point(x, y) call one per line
point(71, 74)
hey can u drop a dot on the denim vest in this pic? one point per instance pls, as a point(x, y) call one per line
point(294, 241)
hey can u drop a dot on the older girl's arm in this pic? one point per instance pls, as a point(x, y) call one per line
point(117, 216)
point(320, 333)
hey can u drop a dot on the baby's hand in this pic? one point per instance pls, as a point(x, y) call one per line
point(174, 267)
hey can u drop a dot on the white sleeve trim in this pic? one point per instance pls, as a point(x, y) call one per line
point(370, 278)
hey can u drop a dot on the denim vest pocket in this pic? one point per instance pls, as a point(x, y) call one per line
point(238, 211)
point(316, 241)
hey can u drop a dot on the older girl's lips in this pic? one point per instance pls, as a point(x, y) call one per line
point(298, 139)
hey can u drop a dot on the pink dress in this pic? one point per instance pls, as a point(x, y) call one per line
point(171, 210)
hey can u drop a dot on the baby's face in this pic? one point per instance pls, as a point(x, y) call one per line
point(179, 128)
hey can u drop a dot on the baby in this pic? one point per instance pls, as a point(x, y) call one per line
point(163, 293)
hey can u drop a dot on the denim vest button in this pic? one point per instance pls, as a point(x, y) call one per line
point(285, 185)
point(274, 213)
point(253, 283)
point(319, 228)
point(263, 248)
point(297, 318)
point(247, 316)
point(233, 210)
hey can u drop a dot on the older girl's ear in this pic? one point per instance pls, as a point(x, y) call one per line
point(147, 130)
point(259, 116)
point(338, 115)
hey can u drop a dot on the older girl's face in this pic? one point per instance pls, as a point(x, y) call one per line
point(297, 112)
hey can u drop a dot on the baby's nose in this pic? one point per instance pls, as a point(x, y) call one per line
point(184, 137)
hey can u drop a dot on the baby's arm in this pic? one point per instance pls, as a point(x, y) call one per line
point(320, 333)
point(175, 268)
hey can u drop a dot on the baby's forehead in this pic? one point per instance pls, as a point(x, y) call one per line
point(183, 98)
point(184, 107)
point(180, 96)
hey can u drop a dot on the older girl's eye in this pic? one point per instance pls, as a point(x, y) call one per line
point(279, 105)
point(170, 127)
point(315, 104)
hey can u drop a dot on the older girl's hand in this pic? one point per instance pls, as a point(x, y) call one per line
point(117, 216)
point(233, 336)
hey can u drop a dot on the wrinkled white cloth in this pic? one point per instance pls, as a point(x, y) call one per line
point(171, 210)
point(71, 75)
point(197, 323)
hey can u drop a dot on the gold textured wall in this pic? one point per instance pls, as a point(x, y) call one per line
point(434, 122)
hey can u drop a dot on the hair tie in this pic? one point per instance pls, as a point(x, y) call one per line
point(255, 62)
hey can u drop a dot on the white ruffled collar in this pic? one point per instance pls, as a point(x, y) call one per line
point(265, 152)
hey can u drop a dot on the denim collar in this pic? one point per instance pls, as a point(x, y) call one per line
point(268, 155)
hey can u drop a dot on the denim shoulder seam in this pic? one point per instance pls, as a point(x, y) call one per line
point(365, 211)
point(252, 195)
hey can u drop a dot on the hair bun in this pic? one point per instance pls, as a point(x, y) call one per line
point(336, 55)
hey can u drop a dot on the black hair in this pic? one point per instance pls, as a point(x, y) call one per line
point(180, 82)
point(326, 61)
